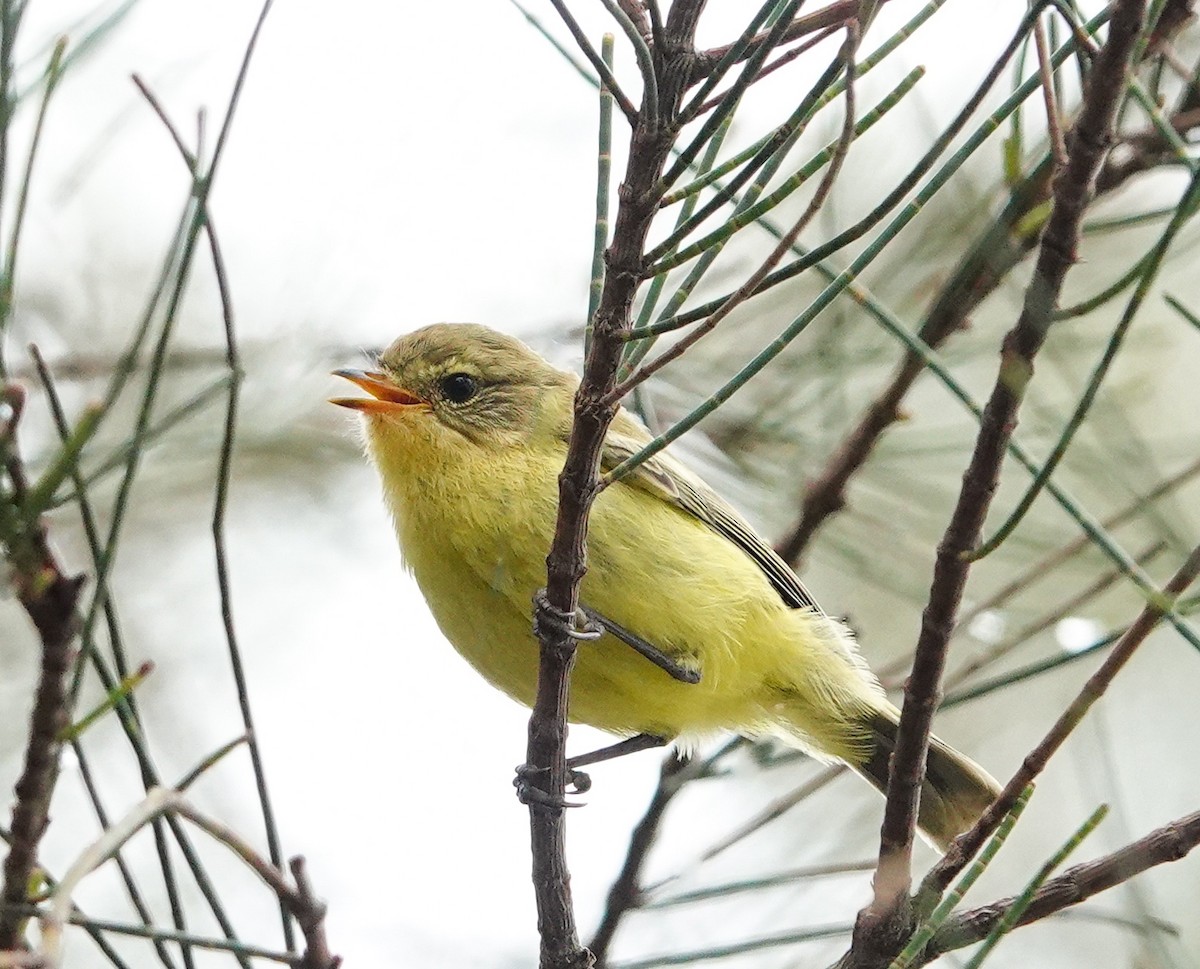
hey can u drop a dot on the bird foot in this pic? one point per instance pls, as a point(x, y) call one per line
point(548, 619)
point(530, 795)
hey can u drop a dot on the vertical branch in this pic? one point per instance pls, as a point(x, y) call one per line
point(48, 597)
point(1035, 762)
point(45, 592)
point(652, 138)
point(886, 919)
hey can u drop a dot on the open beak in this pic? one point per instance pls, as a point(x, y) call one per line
point(385, 395)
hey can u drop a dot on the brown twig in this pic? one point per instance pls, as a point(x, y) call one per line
point(679, 347)
point(886, 921)
point(299, 899)
point(965, 846)
point(638, 17)
point(625, 893)
point(651, 142)
point(48, 596)
point(988, 263)
point(1058, 145)
point(1168, 843)
point(836, 14)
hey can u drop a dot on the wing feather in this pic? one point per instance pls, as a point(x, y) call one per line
point(669, 480)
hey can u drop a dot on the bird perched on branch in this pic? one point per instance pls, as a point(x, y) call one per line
point(700, 626)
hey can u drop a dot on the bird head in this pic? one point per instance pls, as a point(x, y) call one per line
point(460, 378)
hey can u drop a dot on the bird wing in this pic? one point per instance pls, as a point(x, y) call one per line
point(667, 479)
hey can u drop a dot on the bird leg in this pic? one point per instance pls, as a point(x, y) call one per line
point(582, 782)
point(579, 781)
point(630, 745)
point(584, 625)
point(640, 646)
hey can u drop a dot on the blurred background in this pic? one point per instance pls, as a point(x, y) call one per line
point(395, 165)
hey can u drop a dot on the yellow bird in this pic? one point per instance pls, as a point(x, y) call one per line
point(704, 627)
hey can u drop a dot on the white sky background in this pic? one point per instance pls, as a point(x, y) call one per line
point(388, 168)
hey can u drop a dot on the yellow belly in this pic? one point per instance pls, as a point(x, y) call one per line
point(654, 570)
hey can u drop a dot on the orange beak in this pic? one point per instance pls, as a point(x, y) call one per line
point(385, 395)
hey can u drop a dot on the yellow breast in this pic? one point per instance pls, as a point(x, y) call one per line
point(474, 525)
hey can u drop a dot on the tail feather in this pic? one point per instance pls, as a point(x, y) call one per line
point(956, 790)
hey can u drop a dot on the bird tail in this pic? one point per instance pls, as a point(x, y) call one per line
point(955, 792)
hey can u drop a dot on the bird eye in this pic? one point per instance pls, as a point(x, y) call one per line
point(458, 388)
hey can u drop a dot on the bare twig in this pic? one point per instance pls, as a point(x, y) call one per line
point(1035, 762)
point(626, 890)
point(299, 901)
point(885, 922)
point(156, 802)
point(1058, 145)
point(1168, 843)
point(48, 596)
point(566, 563)
point(836, 14)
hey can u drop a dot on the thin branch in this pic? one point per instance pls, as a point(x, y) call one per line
point(607, 76)
point(49, 597)
point(1168, 843)
point(156, 802)
point(298, 900)
point(1035, 762)
point(91, 534)
point(885, 921)
point(626, 890)
point(97, 928)
point(834, 15)
point(649, 149)
point(1058, 145)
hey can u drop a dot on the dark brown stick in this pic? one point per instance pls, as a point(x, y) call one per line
point(988, 263)
point(966, 845)
point(48, 597)
point(1169, 843)
point(887, 920)
point(651, 141)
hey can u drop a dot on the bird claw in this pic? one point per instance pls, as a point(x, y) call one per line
point(578, 625)
point(533, 796)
